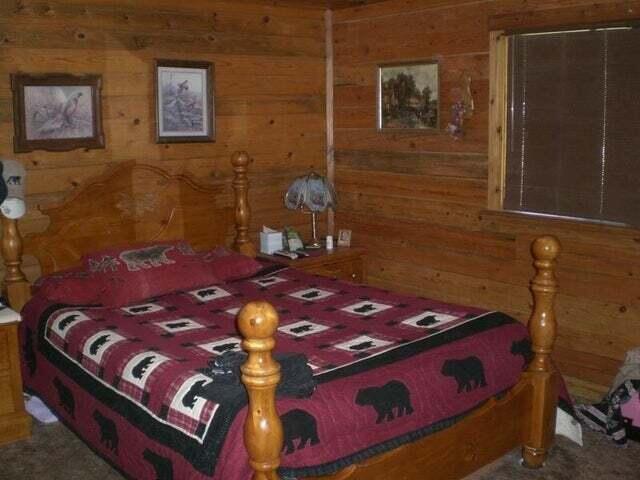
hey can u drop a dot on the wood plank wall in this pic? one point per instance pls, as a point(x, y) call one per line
point(417, 200)
point(269, 81)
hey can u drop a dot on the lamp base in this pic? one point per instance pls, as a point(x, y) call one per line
point(313, 246)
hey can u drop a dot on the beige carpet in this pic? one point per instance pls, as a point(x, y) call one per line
point(54, 453)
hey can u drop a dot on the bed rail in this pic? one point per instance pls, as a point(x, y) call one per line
point(258, 322)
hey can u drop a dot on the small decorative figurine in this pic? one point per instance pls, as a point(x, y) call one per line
point(461, 109)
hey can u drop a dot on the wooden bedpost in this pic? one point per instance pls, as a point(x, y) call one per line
point(242, 243)
point(15, 285)
point(541, 372)
point(257, 322)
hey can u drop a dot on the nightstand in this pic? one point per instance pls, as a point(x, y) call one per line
point(346, 263)
point(15, 423)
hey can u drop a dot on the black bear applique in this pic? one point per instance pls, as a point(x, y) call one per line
point(65, 397)
point(310, 295)
point(189, 400)
point(161, 465)
point(362, 346)
point(143, 309)
point(209, 292)
point(141, 367)
point(108, 431)
point(29, 352)
point(523, 347)
point(302, 329)
point(98, 343)
point(427, 321)
point(175, 325)
point(364, 308)
point(468, 372)
point(298, 424)
point(225, 347)
point(66, 321)
point(393, 395)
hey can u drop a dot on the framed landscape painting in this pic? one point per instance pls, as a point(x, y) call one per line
point(184, 101)
point(408, 96)
point(56, 112)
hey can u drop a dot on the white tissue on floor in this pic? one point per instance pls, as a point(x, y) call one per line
point(39, 410)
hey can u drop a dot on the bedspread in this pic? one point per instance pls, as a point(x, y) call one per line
point(390, 369)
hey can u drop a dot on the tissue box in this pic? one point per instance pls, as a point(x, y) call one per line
point(270, 242)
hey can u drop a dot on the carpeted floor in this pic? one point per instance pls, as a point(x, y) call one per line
point(54, 453)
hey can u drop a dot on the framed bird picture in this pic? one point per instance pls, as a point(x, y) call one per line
point(184, 101)
point(56, 112)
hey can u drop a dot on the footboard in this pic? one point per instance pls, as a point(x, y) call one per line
point(525, 415)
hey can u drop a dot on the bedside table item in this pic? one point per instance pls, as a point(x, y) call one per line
point(270, 240)
point(15, 424)
point(314, 193)
point(342, 263)
point(329, 242)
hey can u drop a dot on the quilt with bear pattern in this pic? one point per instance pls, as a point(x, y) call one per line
point(390, 369)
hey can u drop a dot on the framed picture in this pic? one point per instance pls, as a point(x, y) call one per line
point(344, 238)
point(408, 96)
point(56, 112)
point(184, 101)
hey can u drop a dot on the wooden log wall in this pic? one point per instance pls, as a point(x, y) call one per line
point(269, 89)
point(417, 200)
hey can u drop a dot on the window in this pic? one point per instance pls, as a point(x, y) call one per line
point(571, 111)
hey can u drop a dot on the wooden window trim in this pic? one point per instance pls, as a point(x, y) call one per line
point(498, 81)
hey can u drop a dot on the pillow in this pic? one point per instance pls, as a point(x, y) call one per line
point(229, 265)
point(130, 275)
point(73, 286)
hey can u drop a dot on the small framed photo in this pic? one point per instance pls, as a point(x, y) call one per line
point(409, 96)
point(56, 112)
point(344, 238)
point(184, 101)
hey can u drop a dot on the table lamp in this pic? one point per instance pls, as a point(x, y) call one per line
point(312, 193)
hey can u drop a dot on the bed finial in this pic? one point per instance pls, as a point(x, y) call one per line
point(242, 243)
point(15, 284)
point(263, 438)
point(541, 373)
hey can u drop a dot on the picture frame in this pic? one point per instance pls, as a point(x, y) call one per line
point(184, 96)
point(56, 112)
point(344, 238)
point(408, 96)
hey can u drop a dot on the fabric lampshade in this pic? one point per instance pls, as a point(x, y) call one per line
point(312, 191)
point(12, 189)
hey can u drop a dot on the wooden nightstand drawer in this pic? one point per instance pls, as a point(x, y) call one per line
point(6, 395)
point(342, 263)
point(350, 270)
point(14, 421)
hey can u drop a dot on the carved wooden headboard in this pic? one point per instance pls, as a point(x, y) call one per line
point(131, 203)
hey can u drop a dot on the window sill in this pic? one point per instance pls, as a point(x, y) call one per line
point(494, 219)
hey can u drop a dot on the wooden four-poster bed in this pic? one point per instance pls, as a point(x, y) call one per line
point(136, 203)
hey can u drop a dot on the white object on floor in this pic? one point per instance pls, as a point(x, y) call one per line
point(567, 426)
point(39, 410)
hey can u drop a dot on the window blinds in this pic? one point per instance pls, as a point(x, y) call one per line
point(574, 125)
